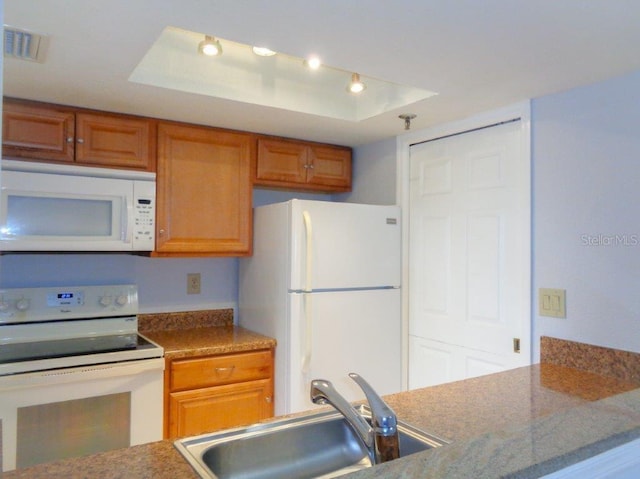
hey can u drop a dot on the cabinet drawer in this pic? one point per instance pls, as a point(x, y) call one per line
point(218, 370)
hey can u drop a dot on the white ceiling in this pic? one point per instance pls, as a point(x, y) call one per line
point(477, 54)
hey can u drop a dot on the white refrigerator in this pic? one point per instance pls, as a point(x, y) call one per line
point(324, 281)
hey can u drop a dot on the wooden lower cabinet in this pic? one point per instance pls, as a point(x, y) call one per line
point(210, 393)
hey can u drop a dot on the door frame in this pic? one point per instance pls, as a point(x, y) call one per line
point(520, 110)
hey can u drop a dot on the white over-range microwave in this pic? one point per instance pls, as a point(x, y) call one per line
point(50, 207)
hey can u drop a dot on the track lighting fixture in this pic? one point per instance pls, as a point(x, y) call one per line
point(210, 46)
point(356, 85)
point(263, 51)
point(407, 117)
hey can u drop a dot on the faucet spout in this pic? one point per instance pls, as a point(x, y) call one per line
point(381, 437)
point(323, 392)
point(384, 422)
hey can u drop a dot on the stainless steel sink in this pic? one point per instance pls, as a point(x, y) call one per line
point(311, 446)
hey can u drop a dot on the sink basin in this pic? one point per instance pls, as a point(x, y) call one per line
point(311, 446)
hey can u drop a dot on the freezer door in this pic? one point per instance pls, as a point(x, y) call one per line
point(344, 245)
point(354, 331)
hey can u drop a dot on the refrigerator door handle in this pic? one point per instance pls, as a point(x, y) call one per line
point(306, 358)
point(308, 228)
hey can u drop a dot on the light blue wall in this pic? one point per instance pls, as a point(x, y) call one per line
point(374, 174)
point(586, 211)
point(161, 281)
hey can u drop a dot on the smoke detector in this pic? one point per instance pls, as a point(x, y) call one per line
point(24, 45)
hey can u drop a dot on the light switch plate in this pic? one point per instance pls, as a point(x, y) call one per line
point(552, 302)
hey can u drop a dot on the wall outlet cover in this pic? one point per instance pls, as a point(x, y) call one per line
point(193, 283)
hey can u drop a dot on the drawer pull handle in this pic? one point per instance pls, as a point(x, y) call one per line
point(228, 371)
point(268, 399)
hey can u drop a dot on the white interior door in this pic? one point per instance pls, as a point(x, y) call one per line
point(469, 255)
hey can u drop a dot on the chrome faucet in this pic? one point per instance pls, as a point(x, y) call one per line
point(381, 437)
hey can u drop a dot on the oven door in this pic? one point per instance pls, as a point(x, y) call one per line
point(71, 412)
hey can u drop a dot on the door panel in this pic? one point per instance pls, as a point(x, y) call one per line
point(433, 362)
point(469, 256)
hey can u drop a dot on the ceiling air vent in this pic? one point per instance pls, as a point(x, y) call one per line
point(23, 44)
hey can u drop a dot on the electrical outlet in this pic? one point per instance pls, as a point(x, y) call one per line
point(193, 283)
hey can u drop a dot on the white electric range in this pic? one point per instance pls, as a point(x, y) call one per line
point(76, 377)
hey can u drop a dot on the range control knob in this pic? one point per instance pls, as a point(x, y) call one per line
point(4, 305)
point(22, 304)
point(106, 301)
point(122, 299)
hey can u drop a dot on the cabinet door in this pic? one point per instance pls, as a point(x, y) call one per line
point(113, 141)
point(303, 166)
point(221, 407)
point(203, 192)
point(37, 132)
point(281, 161)
point(329, 166)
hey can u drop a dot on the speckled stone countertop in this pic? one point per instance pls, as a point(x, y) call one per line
point(209, 340)
point(522, 423)
point(200, 333)
point(519, 423)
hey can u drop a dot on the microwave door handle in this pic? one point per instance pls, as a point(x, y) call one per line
point(127, 218)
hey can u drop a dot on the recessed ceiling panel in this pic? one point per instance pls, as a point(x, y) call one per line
point(279, 81)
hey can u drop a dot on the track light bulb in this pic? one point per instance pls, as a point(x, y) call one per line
point(313, 62)
point(210, 46)
point(356, 85)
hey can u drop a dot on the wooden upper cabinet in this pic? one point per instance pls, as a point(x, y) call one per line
point(303, 166)
point(204, 192)
point(37, 132)
point(330, 166)
point(282, 162)
point(54, 133)
point(115, 141)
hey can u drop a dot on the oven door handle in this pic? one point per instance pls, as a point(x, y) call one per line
point(80, 373)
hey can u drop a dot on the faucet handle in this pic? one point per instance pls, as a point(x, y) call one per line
point(384, 419)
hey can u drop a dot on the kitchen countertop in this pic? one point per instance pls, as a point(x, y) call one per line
point(200, 333)
point(203, 341)
point(524, 422)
